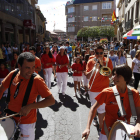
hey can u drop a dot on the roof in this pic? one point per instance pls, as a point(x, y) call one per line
point(89, 1)
point(58, 31)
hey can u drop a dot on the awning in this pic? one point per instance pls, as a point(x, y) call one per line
point(136, 32)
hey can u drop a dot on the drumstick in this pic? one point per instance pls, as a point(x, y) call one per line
point(84, 138)
point(9, 116)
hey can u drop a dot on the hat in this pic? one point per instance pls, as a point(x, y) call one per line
point(62, 47)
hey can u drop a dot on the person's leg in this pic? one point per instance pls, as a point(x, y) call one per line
point(45, 77)
point(49, 77)
point(136, 80)
point(64, 79)
point(79, 88)
point(27, 131)
point(101, 117)
point(75, 88)
point(59, 80)
point(102, 137)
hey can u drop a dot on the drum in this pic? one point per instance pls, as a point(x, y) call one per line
point(8, 130)
point(121, 131)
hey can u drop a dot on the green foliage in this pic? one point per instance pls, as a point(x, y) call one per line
point(97, 31)
point(83, 32)
point(93, 31)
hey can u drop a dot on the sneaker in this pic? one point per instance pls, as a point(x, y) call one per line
point(95, 122)
point(99, 132)
point(63, 93)
point(75, 95)
point(79, 92)
point(59, 91)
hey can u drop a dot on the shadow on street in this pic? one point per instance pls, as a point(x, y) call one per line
point(68, 102)
point(56, 106)
point(39, 125)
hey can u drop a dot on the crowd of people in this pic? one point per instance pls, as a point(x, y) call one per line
point(84, 60)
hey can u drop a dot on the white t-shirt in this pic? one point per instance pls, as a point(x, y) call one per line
point(9, 50)
point(15, 48)
point(136, 66)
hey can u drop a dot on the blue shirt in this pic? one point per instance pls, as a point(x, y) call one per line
point(116, 48)
point(133, 53)
point(69, 49)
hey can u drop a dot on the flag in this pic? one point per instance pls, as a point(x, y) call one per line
point(114, 16)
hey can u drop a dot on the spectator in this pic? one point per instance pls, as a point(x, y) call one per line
point(133, 52)
point(14, 64)
point(113, 58)
point(136, 69)
point(120, 58)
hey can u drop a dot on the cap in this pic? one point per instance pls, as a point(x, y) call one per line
point(62, 47)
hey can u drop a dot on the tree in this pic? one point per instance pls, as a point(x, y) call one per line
point(93, 31)
point(107, 31)
point(83, 32)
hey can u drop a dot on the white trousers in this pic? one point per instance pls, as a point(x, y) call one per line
point(62, 78)
point(92, 96)
point(47, 77)
point(85, 80)
point(27, 131)
point(102, 137)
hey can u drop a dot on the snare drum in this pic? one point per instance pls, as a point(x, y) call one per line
point(8, 129)
point(121, 131)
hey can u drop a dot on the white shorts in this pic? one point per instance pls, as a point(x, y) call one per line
point(27, 131)
point(77, 78)
point(102, 137)
point(92, 96)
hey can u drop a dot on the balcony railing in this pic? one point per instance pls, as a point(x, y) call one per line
point(129, 24)
point(20, 9)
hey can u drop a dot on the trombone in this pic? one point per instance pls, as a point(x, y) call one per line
point(104, 70)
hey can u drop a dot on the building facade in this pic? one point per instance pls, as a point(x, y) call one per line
point(40, 23)
point(17, 21)
point(129, 16)
point(84, 13)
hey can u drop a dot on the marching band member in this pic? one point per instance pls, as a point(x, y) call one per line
point(77, 68)
point(32, 50)
point(47, 60)
point(100, 82)
point(62, 71)
point(121, 76)
point(18, 89)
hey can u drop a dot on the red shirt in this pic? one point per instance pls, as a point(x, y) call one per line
point(26, 50)
point(77, 67)
point(61, 60)
point(37, 63)
point(4, 73)
point(13, 63)
point(45, 59)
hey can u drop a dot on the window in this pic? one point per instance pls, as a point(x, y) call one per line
point(94, 7)
point(85, 18)
point(71, 19)
point(105, 25)
point(86, 8)
point(71, 9)
point(71, 29)
point(106, 5)
point(94, 18)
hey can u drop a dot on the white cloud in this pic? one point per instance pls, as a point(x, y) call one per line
point(54, 12)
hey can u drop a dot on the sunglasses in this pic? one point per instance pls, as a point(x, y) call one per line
point(99, 53)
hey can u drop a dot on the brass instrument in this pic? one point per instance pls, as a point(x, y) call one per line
point(105, 70)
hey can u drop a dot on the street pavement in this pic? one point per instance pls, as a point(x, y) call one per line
point(67, 119)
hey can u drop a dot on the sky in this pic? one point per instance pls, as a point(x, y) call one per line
point(54, 12)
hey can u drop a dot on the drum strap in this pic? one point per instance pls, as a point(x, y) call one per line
point(27, 93)
point(119, 102)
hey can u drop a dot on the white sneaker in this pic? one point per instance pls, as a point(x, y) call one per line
point(75, 95)
point(79, 92)
point(63, 93)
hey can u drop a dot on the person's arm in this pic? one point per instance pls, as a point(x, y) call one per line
point(137, 126)
point(91, 115)
point(2, 89)
point(48, 101)
point(133, 64)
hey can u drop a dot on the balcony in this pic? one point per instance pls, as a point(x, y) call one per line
point(20, 9)
point(129, 25)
